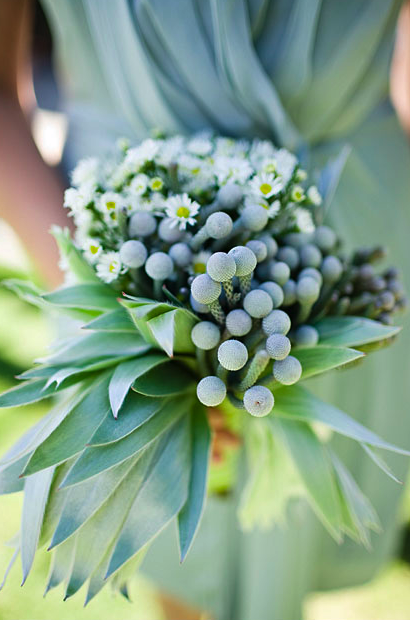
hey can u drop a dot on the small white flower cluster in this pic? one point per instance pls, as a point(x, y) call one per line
point(162, 191)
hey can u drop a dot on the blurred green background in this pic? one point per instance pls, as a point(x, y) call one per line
point(24, 335)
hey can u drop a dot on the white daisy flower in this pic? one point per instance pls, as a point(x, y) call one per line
point(109, 267)
point(273, 209)
point(138, 156)
point(301, 175)
point(77, 199)
point(182, 210)
point(269, 165)
point(170, 151)
point(314, 196)
point(92, 249)
point(304, 220)
point(139, 184)
point(199, 262)
point(86, 171)
point(266, 185)
point(297, 194)
point(200, 146)
point(261, 150)
point(109, 205)
point(233, 169)
point(285, 163)
point(189, 165)
point(156, 184)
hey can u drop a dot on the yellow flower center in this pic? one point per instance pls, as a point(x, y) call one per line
point(110, 205)
point(112, 267)
point(270, 167)
point(199, 268)
point(93, 249)
point(183, 212)
point(156, 184)
point(265, 188)
point(195, 170)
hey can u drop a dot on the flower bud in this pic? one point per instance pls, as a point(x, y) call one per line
point(258, 401)
point(275, 291)
point(311, 272)
point(197, 307)
point(218, 225)
point(205, 335)
point(289, 293)
point(254, 217)
point(244, 258)
point(205, 290)
point(133, 254)
point(278, 346)
point(211, 391)
point(169, 233)
point(159, 266)
point(181, 254)
point(142, 224)
point(258, 303)
point(310, 255)
point(280, 272)
point(287, 371)
point(277, 322)
point(288, 255)
point(332, 269)
point(232, 354)
point(325, 238)
point(271, 245)
point(306, 336)
point(238, 322)
point(307, 291)
point(221, 267)
point(229, 196)
point(258, 248)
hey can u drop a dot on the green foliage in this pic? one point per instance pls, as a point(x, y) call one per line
point(352, 331)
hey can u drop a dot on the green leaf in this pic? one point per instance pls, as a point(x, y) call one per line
point(160, 498)
point(29, 392)
point(27, 291)
point(137, 410)
point(72, 434)
point(377, 459)
point(319, 359)
point(172, 331)
point(156, 382)
point(312, 462)
point(10, 482)
point(297, 403)
point(126, 373)
point(83, 500)
point(352, 331)
point(97, 459)
point(115, 321)
point(62, 559)
point(108, 522)
point(84, 296)
point(72, 257)
point(97, 346)
point(191, 514)
point(36, 490)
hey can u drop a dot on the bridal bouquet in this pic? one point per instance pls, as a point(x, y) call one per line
point(200, 278)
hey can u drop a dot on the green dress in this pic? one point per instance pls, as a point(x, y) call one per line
point(312, 75)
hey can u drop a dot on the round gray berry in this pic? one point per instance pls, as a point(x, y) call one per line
point(232, 354)
point(288, 255)
point(244, 258)
point(271, 245)
point(280, 272)
point(221, 267)
point(205, 335)
point(142, 224)
point(307, 290)
point(258, 303)
point(258, 401)
point(278, 346)
point(159, 266)
point(229, 196)
point(205, 290)
point(211, 391)
point(297, 239)
point(168, 232)
point(254, 217)
point(331, 269)
point(181, 254)
point(238, 322)
point(258, 248)
point(289, 293)
point(277, 322)
point(287, 371)
point(310, 255)
point(133, 254)
point(306, 336)
point(275, 291)
point(197, 307)
point(219, 225)
point(311, 272)
point(325, 238)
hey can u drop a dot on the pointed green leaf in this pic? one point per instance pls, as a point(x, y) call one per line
point(36, 490)
point(137, 410)
point(381, 463)
point(27, 291)
point(71, 436)
point(352, 331)
point(297, 403)
point(319, 359)
point(191, 514)
point(313, 464)
point(10, 482)
point(156, 382)
point(91, 296)
point(28, 392)
point(115, 321)
point(160, 498)
point(97, 459)
point(62, 559)
point(172, 331)
point(126, 373)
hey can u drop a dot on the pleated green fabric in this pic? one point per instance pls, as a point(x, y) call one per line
point(312, 75)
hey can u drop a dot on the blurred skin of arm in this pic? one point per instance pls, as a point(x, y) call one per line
point(400, 69)
point(31, 193)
